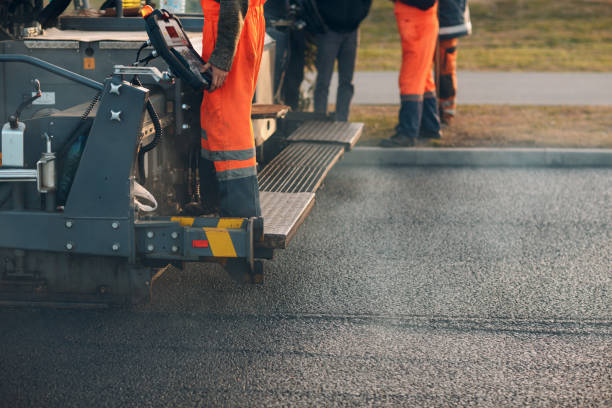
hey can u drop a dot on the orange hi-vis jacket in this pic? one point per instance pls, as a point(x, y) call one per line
point(225, 115)
point(419, 33)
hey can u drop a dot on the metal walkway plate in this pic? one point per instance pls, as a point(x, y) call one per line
point(283, 213)
point(300, 167)
point(344, 133)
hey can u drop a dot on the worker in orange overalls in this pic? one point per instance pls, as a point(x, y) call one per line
point(417, 22)
point(232, 45)
point(454, 17)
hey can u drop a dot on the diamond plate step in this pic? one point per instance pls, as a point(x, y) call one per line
point(300, 167)
point(344, 133)
point(283, 214)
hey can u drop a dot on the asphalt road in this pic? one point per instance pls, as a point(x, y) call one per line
point(406, 286)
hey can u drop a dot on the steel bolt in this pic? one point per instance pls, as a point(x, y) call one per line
point(68, 224)
point(150, 234)
point(116, 246)
point(69, 245)
point(185, 106)
point(174, 248)
point(174, 235)
point(150, 248)
point(115, 225)
point(185, 126)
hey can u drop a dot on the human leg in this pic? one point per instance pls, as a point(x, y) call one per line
point(347, 55)
point(448, 79)
point(328, 45)
point(430, 121)
point(227, 137)
point(295, 69)
point(418, 33)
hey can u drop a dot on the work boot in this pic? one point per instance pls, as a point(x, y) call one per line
point(426, 134)
point(397, 140)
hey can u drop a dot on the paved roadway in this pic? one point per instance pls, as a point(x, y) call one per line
point(505, 88)
point(406, 286)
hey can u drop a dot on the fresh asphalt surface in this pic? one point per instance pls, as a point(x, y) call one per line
point(406, 286)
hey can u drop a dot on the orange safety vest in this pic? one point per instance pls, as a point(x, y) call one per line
point(225, 114)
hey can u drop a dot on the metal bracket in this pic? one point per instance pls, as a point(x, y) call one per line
point(18, 175)
point(153, 72)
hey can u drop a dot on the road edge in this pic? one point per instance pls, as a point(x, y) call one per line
point(479, 157)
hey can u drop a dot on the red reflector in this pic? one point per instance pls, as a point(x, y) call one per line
point(200, 243)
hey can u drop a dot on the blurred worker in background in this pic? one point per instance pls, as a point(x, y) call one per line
point(342, 18)
point(454, 16)
point(417, 22)
point(292, 40)
point(232, 43)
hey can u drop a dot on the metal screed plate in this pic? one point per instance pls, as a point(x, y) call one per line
point(345, 133)
point(300, 167)
point(283, 213)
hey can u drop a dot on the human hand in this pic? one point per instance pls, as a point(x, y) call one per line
point(218, 77)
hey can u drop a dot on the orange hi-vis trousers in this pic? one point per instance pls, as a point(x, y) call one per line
point(418, 31)
point(448, 76)
point(225, 115)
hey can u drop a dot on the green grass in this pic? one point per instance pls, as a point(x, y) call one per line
point(542, 35)
point(503, 126)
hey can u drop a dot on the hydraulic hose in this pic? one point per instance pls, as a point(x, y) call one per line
point(15, 117)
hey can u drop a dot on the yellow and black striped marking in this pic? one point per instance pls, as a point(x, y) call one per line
point(217, 230)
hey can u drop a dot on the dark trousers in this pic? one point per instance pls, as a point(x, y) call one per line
point(343, 47)
point(234, 198)
point(295, 69)
point(419, 116)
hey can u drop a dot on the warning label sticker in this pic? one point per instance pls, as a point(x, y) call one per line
point(47, 98)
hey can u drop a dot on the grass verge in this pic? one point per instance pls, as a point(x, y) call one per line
point(503, 126)
point(537, 35)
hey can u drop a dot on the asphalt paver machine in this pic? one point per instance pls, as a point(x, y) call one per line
point(99, 186)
